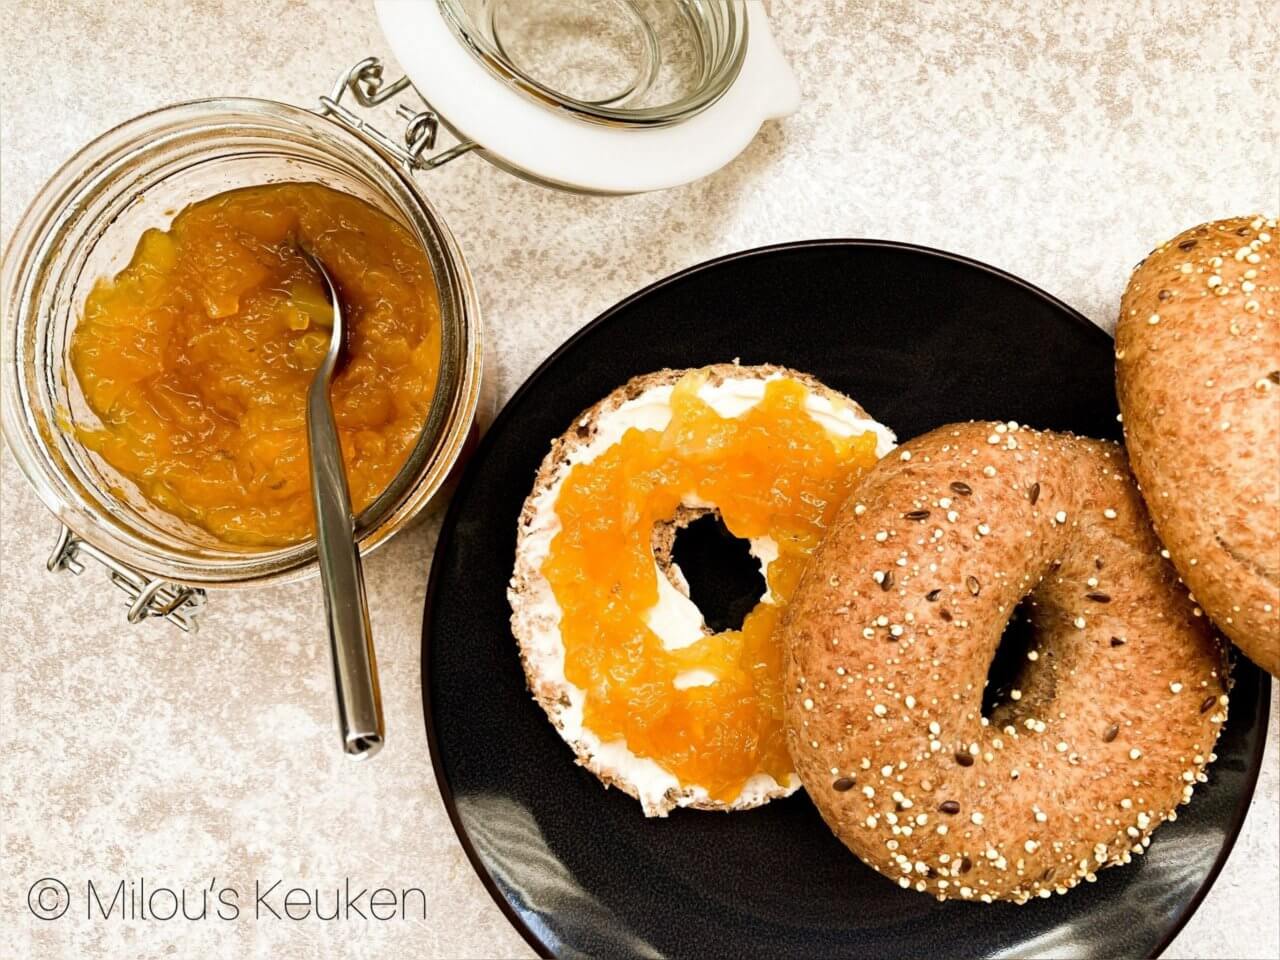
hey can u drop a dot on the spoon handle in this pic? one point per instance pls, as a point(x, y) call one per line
point(355, 670)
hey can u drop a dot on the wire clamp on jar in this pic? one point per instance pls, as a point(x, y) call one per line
point(364, 82)
point(147, 596)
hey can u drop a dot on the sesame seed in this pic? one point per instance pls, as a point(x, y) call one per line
point(808, 703)
point(1109, 513)
point(880, 710)
point(1175, 687)
point(976, 817)
point(1061, 516)
point(1135, 753)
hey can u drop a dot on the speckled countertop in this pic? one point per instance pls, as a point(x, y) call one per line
point(1058, 141)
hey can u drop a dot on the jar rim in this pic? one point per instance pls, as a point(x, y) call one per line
point(720, 27)
point(32, 269)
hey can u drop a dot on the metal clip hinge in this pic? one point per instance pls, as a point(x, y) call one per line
point(147, 596)
point(364, 83)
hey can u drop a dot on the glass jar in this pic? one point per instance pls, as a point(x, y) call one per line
point(478, 68)
point(595, 96)
point(84, 225)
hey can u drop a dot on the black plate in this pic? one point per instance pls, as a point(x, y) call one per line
point(920, 338)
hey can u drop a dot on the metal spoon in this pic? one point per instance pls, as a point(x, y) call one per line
point(355, 668)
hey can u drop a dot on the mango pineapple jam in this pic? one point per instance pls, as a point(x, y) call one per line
point(708, 711)
point(196, 358)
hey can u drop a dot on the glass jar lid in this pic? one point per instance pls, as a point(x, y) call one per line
point(626, 62)
point(615, 96)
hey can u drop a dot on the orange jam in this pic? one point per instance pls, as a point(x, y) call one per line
point(773, 472)
point(196, 358)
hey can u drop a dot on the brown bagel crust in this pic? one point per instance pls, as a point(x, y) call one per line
point(1198, 378)
point(884, 685)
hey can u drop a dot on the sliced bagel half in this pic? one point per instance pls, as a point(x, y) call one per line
point(645, 404)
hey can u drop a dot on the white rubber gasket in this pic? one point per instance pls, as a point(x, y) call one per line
point(560, 149)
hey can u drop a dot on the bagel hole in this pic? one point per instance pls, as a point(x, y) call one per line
point(724, 579)
point(1010, 660)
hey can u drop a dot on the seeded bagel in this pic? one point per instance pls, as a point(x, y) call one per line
point(1198, 378)
point(891, 632)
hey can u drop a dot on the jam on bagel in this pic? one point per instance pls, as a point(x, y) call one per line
point(649, 696)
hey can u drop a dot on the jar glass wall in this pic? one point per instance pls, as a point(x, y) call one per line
point(628, 63)
point(85, 224)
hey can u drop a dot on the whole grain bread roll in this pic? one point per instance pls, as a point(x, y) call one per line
point(888, 639)
point(1198, 379)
